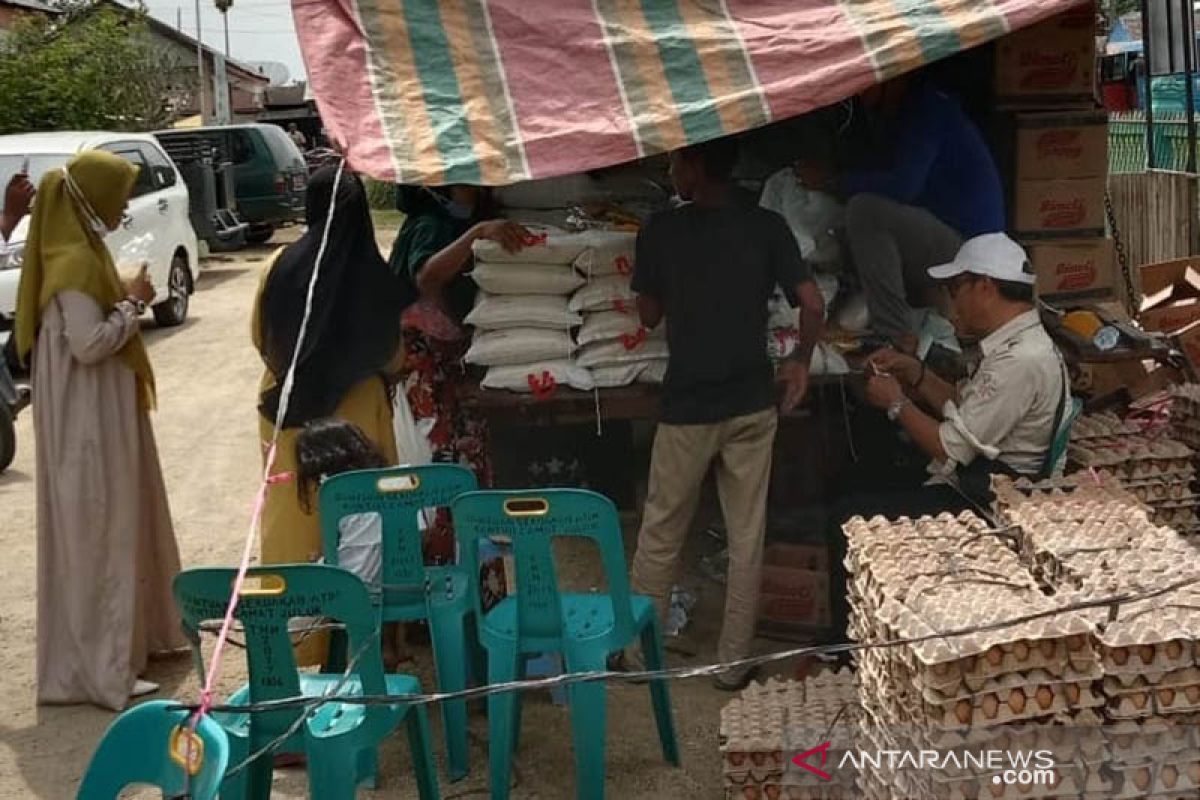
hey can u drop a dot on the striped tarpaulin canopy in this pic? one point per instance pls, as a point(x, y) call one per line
point(498, 91)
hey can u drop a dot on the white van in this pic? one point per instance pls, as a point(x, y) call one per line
point(155, 229)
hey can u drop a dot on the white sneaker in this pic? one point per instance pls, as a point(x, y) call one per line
point(142, 688)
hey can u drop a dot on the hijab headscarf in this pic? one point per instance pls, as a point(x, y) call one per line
point(65, 251)
point(354, 328)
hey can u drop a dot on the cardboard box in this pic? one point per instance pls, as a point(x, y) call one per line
point(1171, 303)
point(1072, 145)
point(1051, 64)
point(1064, 208)
point(794, 587)
point(1074, 269)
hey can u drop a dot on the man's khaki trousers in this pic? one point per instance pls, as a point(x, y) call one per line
point(740, 449)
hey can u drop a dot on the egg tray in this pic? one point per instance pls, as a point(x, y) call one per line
point(1159, 622)
point(1151, 740)
point(1059, 669)
point(983, 788)
point(1101, 425)
point(1157, 780)
point(1010, 681)
point(1123, 683)
point(999, 708)
point(1156, 702)
point(1155, 493)
point(1103, 451)
point(776, 790)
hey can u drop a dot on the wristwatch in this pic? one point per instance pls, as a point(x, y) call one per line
point(894, 410)
point(138, 305)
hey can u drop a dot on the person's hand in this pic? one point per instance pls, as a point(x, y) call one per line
point(139, 286)
point(18, 197)
point(793, 375)
point(903, 366)
point(508, 234)
point(814, 175)
point(883, 390)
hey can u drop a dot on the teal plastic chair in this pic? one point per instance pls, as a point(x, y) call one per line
point(340, 740)
point(538, 618)
point(149, 745)
point(412, 591)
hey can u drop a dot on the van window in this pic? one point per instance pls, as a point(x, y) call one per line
point(283, 149)
point(132, 152)
point(241, 147)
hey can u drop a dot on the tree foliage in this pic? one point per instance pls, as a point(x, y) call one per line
point(93, 67)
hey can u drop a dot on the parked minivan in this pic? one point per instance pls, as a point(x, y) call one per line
point(155, 228)
point(269, 174)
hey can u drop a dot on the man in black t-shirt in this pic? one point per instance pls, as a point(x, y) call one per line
point(708, 267)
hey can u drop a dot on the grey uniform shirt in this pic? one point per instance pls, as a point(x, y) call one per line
point(1006, 410)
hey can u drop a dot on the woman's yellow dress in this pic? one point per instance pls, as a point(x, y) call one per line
point(291, 535)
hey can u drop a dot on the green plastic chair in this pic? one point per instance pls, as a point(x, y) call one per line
point(412, 591)
point(585, 628)
point(340, 740)
point(148, 745)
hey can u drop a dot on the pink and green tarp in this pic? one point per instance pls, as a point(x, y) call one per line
point(499, 91)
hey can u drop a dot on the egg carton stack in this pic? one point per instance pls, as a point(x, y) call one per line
point(522, 317)
point(1096, 541)
point(970, 680)
point(1158, 469)
point(613, 343)
point(770, 723)
point(1185, 414)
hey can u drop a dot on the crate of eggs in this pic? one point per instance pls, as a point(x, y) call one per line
point(950, 583)
point(770, 723)
point(1185, 414)
point(1154, 466)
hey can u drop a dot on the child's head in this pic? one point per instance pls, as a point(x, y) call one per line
point(328, 447)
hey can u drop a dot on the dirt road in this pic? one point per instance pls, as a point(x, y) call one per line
point(206, 427)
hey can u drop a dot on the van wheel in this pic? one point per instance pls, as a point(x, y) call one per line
point(174, 310)
point(8, 438)
point(259, 234)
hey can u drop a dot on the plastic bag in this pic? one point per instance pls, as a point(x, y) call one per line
point(526, 278)
point(603, 326)
point(611, 293)
point(493, 311)
point(622, 351)
point(542, 378)
point(412, 439)
point(608, 253)
point(544, 246)
point(513, 346)
point(611, 377)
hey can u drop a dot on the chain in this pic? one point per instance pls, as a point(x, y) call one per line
point(1122, 256)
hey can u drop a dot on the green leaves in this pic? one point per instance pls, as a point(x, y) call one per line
point(92, 68)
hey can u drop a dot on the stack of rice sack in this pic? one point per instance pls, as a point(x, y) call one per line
point(1156, 468)
point(612, 341)
point(1003, 688)
point(1095, 541)
point(769, 723)
point(522, 317)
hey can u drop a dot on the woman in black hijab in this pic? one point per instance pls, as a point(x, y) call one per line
point(348, 361)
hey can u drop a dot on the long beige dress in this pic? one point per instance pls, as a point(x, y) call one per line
point(106, 547)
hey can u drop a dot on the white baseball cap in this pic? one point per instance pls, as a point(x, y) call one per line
point(992, 254)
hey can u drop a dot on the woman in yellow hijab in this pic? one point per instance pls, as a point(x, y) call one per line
point(106, 547)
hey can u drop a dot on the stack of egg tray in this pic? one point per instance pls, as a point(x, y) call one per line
point(1094, 541)
point(770, 723)
point(1185, 414)
point(925, 579)
point(1158, 469)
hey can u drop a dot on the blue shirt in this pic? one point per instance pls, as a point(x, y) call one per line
point(942, 164)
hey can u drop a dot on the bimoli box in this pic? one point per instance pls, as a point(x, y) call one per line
point(1052, 146)
point(1051, 64)
point(1074, 269)
point(1170, 295)
point(1062, 208)
point(795, 586)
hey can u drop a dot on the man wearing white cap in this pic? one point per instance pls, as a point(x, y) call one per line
point(1004, 417)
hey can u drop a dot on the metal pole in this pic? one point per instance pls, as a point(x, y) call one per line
point(200, 59)
point(1189, 59)
point(1147, 49)
point(179, 18)
point(225, 21)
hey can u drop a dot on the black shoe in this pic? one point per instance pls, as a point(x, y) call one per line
point(735, 679)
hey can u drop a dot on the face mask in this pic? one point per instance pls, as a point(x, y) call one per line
point(93, 219)
point(455, 209)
